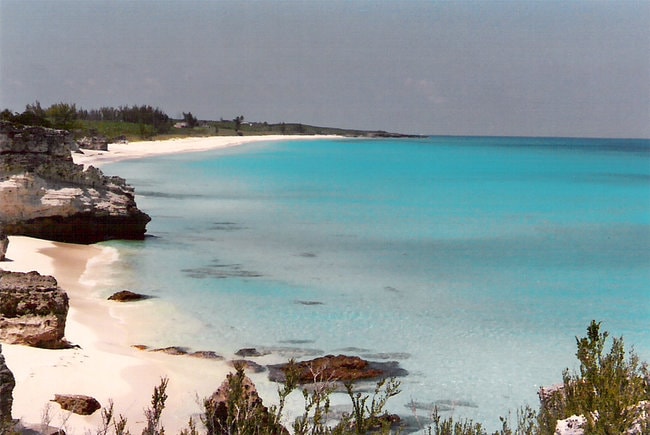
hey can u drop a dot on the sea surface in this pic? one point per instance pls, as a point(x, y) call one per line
point(473, 262)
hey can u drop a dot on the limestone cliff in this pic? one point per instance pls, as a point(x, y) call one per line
point(33, 310)
point(44, 194)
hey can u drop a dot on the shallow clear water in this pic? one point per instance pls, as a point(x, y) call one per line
point(474, 262)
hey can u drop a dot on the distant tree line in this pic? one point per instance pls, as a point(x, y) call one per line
point(66, 116)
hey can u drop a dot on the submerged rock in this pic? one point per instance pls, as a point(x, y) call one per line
point(337, 368)
point(206, 354)
point(33, 310)
point(172, 350)
point(44, 194)
point(248, 365)
point(127, 296)
point(250, 352)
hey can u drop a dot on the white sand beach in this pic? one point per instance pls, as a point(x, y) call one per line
point(124, 151)
point(105, 366)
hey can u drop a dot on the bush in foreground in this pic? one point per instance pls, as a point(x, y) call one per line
point(611, 391)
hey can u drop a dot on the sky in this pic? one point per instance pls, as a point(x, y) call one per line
point(489, 67)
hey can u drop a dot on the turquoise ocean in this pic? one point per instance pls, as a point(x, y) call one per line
point(474, 262)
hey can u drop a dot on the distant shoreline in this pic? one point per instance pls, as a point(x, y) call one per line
point(137, 150)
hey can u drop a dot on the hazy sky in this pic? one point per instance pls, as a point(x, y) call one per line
point(536, 68)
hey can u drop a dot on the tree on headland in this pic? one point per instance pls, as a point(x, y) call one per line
point(62, 115)
point(190, 120)
point(33, 115)
point(238, 120)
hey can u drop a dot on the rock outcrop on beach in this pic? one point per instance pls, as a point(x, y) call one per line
point(98, 143)
point(7, 384)
point(4, 244)
point(44, 194)
point(33, 310)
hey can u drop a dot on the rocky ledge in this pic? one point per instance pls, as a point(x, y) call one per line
point(44, 194)
point(33, 310)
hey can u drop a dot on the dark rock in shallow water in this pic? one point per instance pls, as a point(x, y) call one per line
point(79, 404)
point(248, 365)
point(44, 194)
point(250, 351)
point(387, 355)
point(33, 310)
point(206, 354)
point(308, 303)
point(127, 296)
point(337, 368)
point(172, 350)
point(221, 271)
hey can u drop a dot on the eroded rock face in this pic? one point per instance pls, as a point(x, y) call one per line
point(44, 194)
point(33, 310)
point(7, 384)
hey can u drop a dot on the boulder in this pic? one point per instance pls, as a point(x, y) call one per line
point(7, 384)
point(336, 368)
point(77, 403)
point(33, 310)
point(44, 194)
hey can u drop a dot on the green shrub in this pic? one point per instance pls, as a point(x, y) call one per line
point(607, 389)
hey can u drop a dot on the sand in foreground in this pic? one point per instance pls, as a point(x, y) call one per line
point(105, 366)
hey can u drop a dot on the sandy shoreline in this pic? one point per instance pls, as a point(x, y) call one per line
point(105, 365)
point(118, 151)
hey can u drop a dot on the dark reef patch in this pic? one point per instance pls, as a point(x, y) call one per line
point(219, 270)
point(387, 355)
point(309, 302)
point(226, 226)
point(297, 341)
